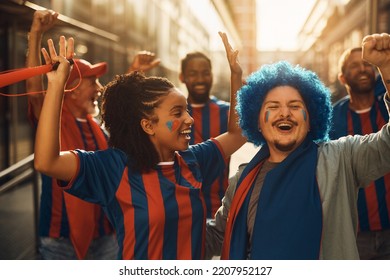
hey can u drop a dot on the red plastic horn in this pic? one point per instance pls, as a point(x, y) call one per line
point(17, 75)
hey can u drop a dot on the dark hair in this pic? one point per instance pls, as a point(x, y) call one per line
point(191, 56)
point(316, 96)
point(344, 57)
point(127, 100)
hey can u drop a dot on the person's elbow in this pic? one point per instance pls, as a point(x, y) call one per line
point(41, 165)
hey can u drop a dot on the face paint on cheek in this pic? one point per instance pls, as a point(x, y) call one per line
point(266, 116)
point(304, 114)
point(173, 125)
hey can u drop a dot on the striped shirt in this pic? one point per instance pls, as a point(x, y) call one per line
point(156, 215)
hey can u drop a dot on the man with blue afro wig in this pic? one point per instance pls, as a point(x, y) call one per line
point(297, 197)
point(316, 96)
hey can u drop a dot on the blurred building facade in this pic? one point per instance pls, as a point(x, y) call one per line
point(332, 27)
point(113, 31)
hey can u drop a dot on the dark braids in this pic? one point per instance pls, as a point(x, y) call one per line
point(127, 100)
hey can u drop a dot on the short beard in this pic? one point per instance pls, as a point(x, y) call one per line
point(95, 111)
point(199, 98)
point(285, 147)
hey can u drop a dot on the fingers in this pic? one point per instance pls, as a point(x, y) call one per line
point(382, 41)
point(52, 50)
point(48, 17)
point(155, 62)
point(66, 50)
point(62, 46)
point(43, 20)
point(225, 41)
point(46, 56)
point(70, 48)
point(377, 41)
point(146, 57)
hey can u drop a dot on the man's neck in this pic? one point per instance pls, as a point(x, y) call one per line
point(360, 102)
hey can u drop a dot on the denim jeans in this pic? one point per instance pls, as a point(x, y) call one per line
point(374, 245)
point(102, 248)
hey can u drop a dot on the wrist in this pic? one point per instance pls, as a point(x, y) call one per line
point(34, 33)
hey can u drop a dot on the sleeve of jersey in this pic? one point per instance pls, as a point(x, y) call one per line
point(211, 159)
point(99, 175)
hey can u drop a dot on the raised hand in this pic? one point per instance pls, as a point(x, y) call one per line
point(231, 54)
point(43, 20)
point(144, 61)
point(376, 49)
point(64, 57)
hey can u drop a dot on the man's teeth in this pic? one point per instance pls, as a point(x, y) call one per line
point(284, 126)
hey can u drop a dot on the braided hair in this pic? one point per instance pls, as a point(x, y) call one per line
point(127, 100)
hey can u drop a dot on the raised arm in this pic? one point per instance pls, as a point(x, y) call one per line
point(232, 140)
point(376, 50)
point(48, 158)
point(43, 20)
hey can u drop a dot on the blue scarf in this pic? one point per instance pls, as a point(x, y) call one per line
point(288, 222)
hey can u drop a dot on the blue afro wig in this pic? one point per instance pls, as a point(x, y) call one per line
point(314, 93)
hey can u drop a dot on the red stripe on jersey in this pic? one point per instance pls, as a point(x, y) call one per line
point(123, 195)
point(56, 210)
point(156, 215)
point(350, 129)
point(215, 120)
point(184, 251)
point(372, 206)
point(197, 116)
point(186, 173)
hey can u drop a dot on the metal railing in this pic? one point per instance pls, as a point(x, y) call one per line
point(18, 173)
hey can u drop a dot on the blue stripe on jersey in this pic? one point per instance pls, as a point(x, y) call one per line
point(356, 123)
point(363, 211)
point(373, 117)
point(223, 116)
point(141, 219)
point(46, 209)
point(45, 206)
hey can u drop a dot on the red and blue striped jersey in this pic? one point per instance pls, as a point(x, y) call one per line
point(211, 120)
point(160, 214)
point(82, 221)
point(373, 201)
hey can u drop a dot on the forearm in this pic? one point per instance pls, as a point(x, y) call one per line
point(47, 141)
point(235, 85)
point(34, 84)
point(34, 59)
